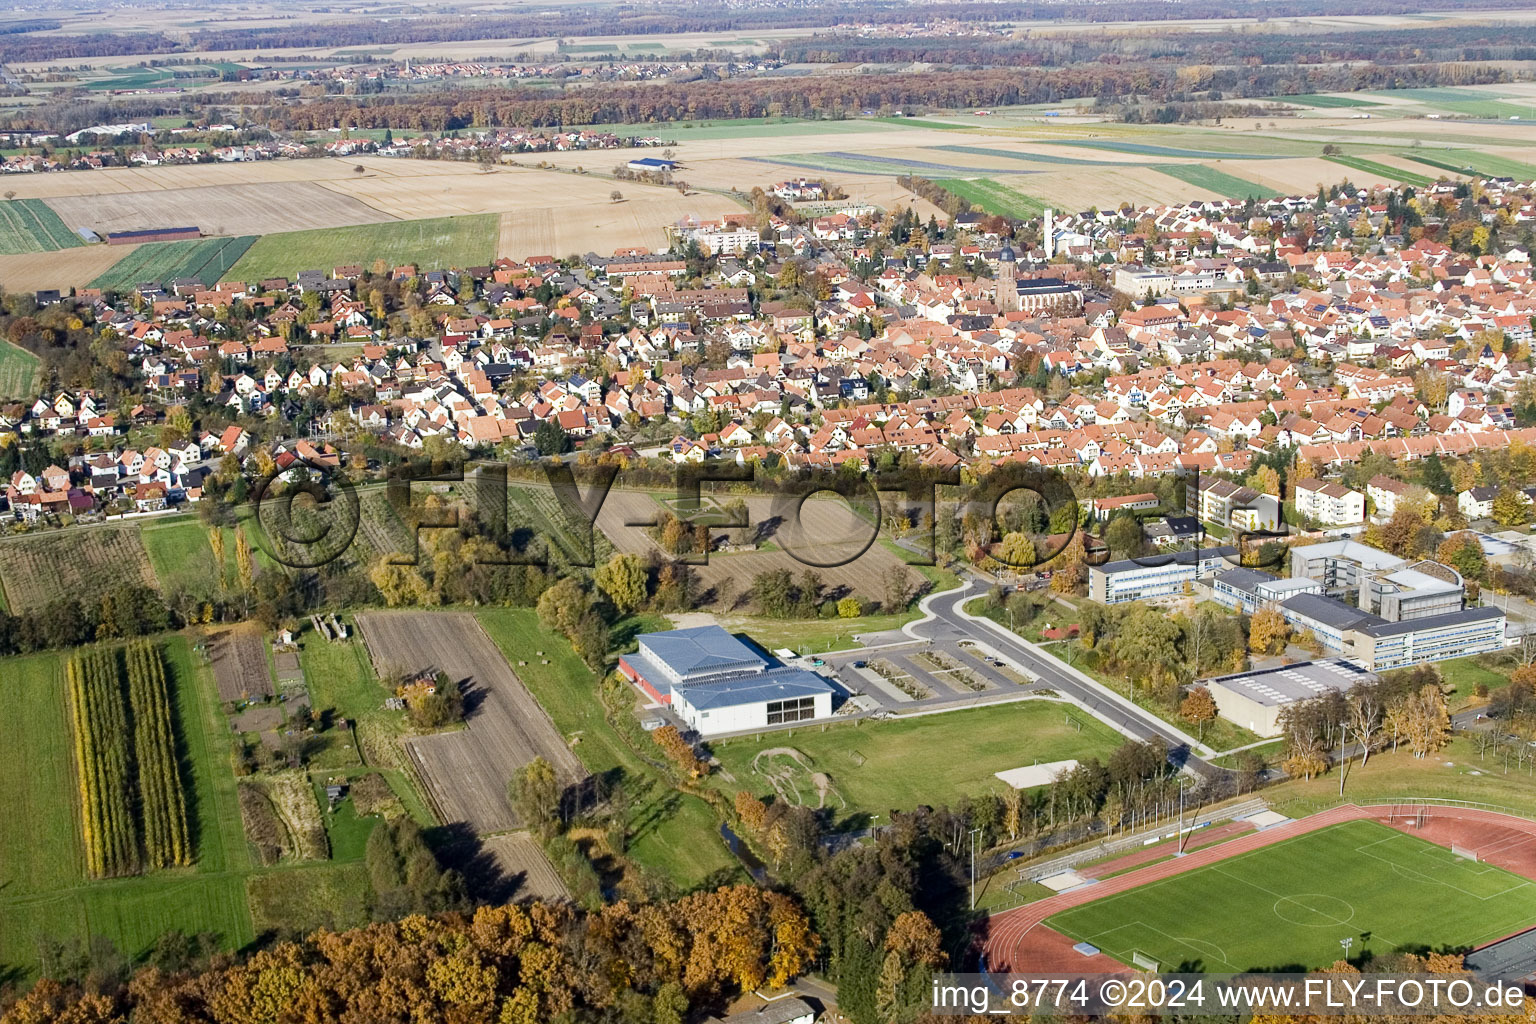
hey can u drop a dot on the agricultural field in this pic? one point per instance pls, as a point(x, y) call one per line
point(182, 558)
point(28, 225)
point(44, 893)
point(61, 270)
point(18, 371)
point(870, 767)
point(1463, 162)
point(1387, 889)
point(672, 834)
point(256, 208)
point(1326, 101)
point(524, 868)
point(77, 563)
point(431, 244)
point(467, 770)
point(238, 656)
point(1214, 180)
point(994, 197)
point(1381, 170)
point(207, 259)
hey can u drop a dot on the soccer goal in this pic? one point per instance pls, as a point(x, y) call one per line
point(1140, 959)
point(1464, 852)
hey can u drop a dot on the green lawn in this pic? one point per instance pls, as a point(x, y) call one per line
point(994, 197)
point(43, 891)
point(182, 558)
point(301, 899)
point(431, 244)
point(30, 225)
point(18, 371)
point(672, 834)
point(1220, 182)
point(1273, 908)
point(875, 766)
point(1381, 170)
point(1312, 99)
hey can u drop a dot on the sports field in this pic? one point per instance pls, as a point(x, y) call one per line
point(1288, 905)
point(433, 244)
point(872, 767)
point(28, 225)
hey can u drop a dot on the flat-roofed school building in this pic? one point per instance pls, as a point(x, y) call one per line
point(717, 684)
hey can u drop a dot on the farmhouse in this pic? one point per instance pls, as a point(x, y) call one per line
point(717, 684)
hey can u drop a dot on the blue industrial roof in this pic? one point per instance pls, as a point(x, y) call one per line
point(777, 684)
point(701, 650)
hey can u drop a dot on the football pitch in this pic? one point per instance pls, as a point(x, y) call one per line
point(1289, 905)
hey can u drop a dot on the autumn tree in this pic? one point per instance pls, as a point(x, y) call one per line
point(1268, 632)
point(1198, 708)
point(535, 794)
point(1511, 507)
point(1426, 722)
point(913, 950)
point(622, 580)
point(243, 565)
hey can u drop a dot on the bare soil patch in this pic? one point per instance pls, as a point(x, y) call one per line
point(524, 868)
point(466, 771)
point(239, 659)
point(255, 208)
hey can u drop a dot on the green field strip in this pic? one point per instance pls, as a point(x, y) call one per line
point(1479, 164)
point(436, 243)
point(993, 197)
point(1312, 99)
point(1037, 158)
point(1148, 149)
point(207, 259)
point(1360, 163)
point(30, 225)
point(1212, 180)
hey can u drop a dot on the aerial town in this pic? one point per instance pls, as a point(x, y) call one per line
point(767, 514)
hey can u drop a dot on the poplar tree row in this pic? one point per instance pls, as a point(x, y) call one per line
point(132, 807)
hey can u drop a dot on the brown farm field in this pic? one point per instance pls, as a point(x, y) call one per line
point(80, 563)
point(250, 209)
point(466, 771)
point(523, 865)
point(239, 660)
point(63, 269)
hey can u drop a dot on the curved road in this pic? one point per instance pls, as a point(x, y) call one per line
point(947, 623)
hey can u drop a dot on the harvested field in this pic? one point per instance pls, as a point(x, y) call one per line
point(524, 868)
point(64, 269)
point(239, 659)
point(83, 565)
point(250, 209)
point(466, 772)
point(598, 224)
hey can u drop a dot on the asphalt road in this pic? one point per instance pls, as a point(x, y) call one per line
point(949, 625)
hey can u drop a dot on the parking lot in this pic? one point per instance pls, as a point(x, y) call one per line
point(897, 673)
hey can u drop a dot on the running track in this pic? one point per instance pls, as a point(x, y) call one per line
point(1017, 940)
